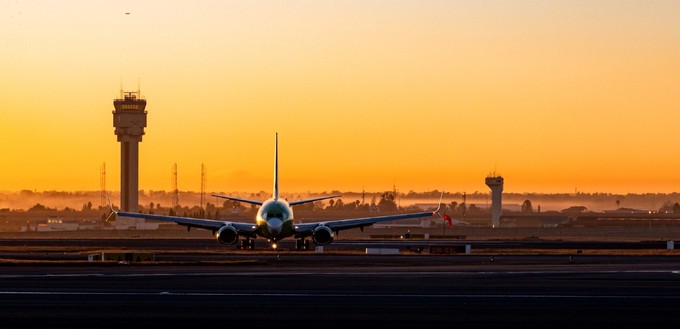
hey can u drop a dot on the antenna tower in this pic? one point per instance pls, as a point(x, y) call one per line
point(102, 184)
point(204, 183)
point(175, 191)
point(464, 204)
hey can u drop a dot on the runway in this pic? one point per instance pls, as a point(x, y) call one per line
point(333, 291)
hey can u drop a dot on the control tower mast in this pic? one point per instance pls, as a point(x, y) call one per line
point(495, 183)
point(129, 119)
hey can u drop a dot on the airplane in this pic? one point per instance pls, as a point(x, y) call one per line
point(275, 221)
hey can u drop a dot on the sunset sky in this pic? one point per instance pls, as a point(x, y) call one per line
point(556, 96)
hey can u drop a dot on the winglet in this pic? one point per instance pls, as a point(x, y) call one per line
point(439, 207)
point(444, 217)
point(108, 198)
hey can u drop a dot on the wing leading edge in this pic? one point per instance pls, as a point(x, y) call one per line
point(344, 224)
point(208, 224)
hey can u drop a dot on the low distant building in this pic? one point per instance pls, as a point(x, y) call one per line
point(626, 211)
point(132, 225)
point(534, 220)
point(56, 224)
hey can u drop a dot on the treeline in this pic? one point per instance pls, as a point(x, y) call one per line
point(94, 200)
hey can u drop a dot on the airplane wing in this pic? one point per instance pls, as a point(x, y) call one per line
point(207, 224)
point(306, 229)
point(344, 224)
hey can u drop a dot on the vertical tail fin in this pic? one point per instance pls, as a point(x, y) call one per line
point(275, 194)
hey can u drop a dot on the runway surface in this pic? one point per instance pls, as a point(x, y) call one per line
point(332, 291)
point(197, 282)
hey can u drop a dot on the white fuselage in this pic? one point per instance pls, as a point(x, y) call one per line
point(275, 219)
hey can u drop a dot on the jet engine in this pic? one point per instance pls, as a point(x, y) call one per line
point(322, 235)
point(227, 235)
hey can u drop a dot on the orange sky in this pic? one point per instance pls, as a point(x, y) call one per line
point(556, 96)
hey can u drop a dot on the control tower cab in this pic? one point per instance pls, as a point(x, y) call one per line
point(129, 119)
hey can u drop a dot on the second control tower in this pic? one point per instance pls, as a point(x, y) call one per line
point(495, 183)
point(129, 119)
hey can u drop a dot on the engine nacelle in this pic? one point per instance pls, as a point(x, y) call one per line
point(227, 235)
point(322, 235)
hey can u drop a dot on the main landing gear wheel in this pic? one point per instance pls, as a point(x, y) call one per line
point(302, 244)
point(247, 244)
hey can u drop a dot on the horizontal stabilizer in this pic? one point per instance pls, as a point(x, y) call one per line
point(237, 199)
point(292, 203)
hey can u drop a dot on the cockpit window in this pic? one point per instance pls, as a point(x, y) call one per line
point(274, 215)
point(276, 210)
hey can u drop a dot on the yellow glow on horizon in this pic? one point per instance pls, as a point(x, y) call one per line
point(425, 95)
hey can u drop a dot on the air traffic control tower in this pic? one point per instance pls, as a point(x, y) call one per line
point(129, 119)
point(495, 183)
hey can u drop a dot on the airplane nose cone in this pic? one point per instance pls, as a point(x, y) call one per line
point(274, 226)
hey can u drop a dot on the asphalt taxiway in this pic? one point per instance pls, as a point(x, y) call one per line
point(283, 289)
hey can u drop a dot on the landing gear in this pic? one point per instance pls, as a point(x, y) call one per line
point(248, 244)
point(302, 244)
